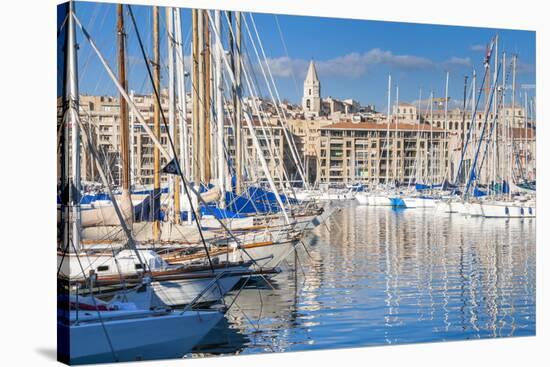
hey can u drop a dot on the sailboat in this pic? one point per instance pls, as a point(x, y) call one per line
point(122, 331)
point(381, 195)
point(424, 196)
point(494, 152)
point(96, 332)
point(506, 206)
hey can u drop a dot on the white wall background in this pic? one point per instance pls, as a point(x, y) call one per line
point(27, 182)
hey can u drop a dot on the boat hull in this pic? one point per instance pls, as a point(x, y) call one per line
point(331, 196)
point(474, 209)
point(134, 339)
point(362, 198)
point(419, 202)
point(265, 256)
point(507, 209)
point(182, 292)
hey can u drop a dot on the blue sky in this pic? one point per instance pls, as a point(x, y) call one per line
point(353, 57)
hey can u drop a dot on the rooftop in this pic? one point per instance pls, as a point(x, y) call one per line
point(382, 126)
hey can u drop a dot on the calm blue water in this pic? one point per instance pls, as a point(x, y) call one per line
point(377, 276)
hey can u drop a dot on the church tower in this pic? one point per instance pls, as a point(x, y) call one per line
point(311, 102)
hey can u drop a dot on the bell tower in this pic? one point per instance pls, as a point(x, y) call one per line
point(311, 102)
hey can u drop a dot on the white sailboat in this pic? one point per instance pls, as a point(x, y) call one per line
point(119, 332)
point(96, 332)
point(381, 195)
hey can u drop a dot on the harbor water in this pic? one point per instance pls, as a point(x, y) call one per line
point(379, 276)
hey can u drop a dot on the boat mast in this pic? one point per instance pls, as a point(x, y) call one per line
point(395, 133)
point(511, 128)
point(174, 179)
point(219, 111)
point(124, 133)
point(494, 160)
point(443, 163)
point(525, 126)
point(180, 75)
point(472, 121)
point(464, 128)
point(201, 101)
point(237, 95)
point(503, 128)
point(132, 155)
point(207, 104)
point(431, 137)
point(156, 122)
point(418, 159)
point(388, 131)
point(195, 99)
point(72, 132)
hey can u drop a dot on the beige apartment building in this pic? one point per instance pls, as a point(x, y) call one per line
point(101, 115)
point(369, 153)
point(274, 147)
point(306, 134)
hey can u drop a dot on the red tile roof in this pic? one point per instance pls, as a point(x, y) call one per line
point(381, 126)
point(523, 133)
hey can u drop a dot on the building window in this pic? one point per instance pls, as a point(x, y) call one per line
point(310, 91)
point(308, 103)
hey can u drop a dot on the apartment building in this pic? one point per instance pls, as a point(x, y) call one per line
point(366, 152)
point(100, 114)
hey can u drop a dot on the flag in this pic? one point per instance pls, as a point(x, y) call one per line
point(171, 168)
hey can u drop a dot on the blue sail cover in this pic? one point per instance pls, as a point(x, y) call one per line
point(358, 187)
point(504, 187)
point(420, 187)
point(255, 200)
point(90, 198)
point(163, 190)
point(479, 193)
point(216, 212)
point(446, 185)
point(143, 212)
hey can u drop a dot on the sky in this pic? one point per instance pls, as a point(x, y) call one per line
point(353, 57)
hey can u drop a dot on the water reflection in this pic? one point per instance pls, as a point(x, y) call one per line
point(377, 276)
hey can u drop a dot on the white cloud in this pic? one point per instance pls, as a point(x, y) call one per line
point(478, 48)
point(351, 65)
point(356, 64)
point(457, 62)
point(283, 67)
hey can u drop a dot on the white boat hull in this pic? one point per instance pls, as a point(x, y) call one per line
point(419, 202)
point(444, 207)
point(330, 196)
point(133, 338)
point(378, 200)
point(182, 291)
point(460, 207)
point(268, 256)
point(507, 209)
point(362, 198)
point(473, 209)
